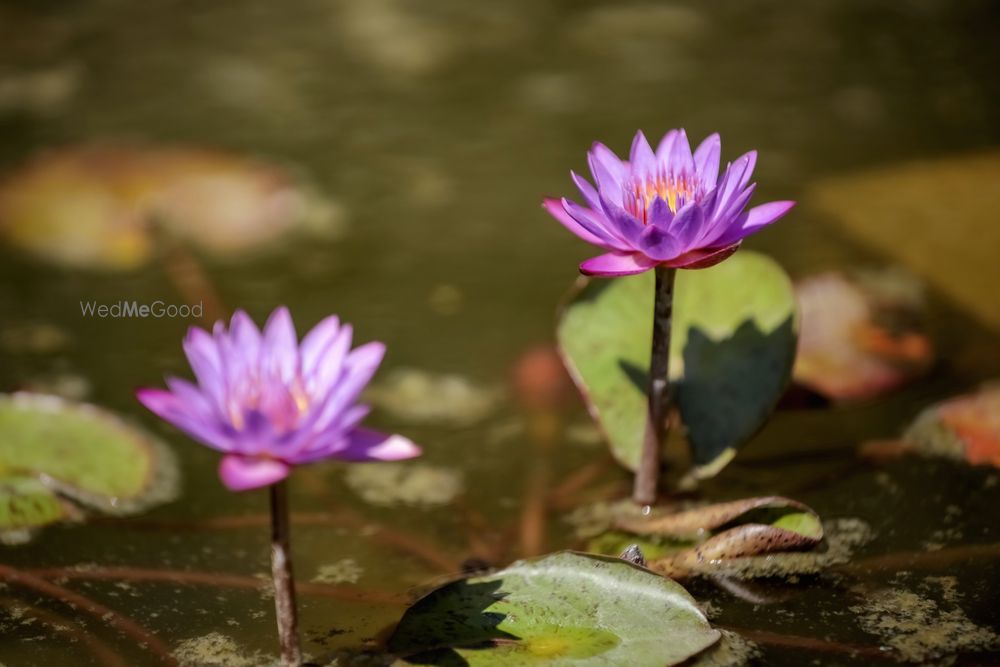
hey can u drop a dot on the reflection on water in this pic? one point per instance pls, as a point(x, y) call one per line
point(434, 129)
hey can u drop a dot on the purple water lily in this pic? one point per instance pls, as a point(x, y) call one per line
point(270, 403)
point(664, 208)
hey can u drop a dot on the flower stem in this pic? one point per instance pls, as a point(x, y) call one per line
point(647, 477)
point(284, 580)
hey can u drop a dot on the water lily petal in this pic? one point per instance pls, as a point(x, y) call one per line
point(367, 445)
point(616, 264)
point(317, 341)
point(587, 191)
point(641, 156)
point(680, 160)
point(706, 160)
point(753, 221)
point(658, 244)
point(687, 224)
point(170, 408)
point(666, 146)
point(621, 222)
point(242, 473)
point(556, 210)
point(280, 350)
point(607, 169)
point(596, 224)
point(702, 258)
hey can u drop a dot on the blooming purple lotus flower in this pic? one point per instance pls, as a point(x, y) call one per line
point(664, 208)
point(269, 402)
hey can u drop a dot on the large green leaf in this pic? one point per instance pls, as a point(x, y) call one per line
point(52, 446)
point(566, 609)
point(731, 354)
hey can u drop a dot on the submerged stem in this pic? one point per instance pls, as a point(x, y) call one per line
point(647, 477)
point(284, 581)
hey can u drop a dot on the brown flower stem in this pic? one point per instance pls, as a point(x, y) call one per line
point(141, 635)
point(284, 580)
point(647, 477)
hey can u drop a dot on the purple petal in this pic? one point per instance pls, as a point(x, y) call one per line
point(643, 161)
point(594, 223)
point(754, 220)
point(729, 184)
point(280, 351)
point(660, 214)
point(688, 224)
point(203, 356)
point(665, 146)
point(616, 264)
point(658, 244)
point(330, 363)
point(171, 409)
point(607, 169)
point(317, 342)
point(242, 473)
point(367, 445)
point(587, 191)
point(702, 258)
point(621, 221)
point(748, 170)
point(680, 161)
point(556, 210)
point(706, 160)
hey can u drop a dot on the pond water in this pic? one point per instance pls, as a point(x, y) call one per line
point(433, 129)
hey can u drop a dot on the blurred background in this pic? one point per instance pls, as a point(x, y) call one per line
point(385, 160)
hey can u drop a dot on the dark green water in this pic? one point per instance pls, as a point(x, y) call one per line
point(437, 127)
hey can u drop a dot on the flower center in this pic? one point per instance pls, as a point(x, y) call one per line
point(675, 189)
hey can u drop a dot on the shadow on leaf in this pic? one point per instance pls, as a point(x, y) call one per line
point(454, 616)
point(729, 386)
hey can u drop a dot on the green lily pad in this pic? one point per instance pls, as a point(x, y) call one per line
point(731, 355)
point(25, 504)
point(566, 609)
point(52, 448)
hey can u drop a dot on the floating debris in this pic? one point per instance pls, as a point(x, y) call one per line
point(344, 571)
point(860, 336)
point(732, 650)
point(218, 650)
point(418, 396)
point(919, 628)
point(414, 484)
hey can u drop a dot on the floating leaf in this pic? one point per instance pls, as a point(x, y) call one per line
point(709, 538)
point(25, 504)
point(566, 609)
point(898, 210)
point(731, 353)
point(966, 428)
point(696, 522)
point(49, 447)
point(860, 336)
point(96, 207)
